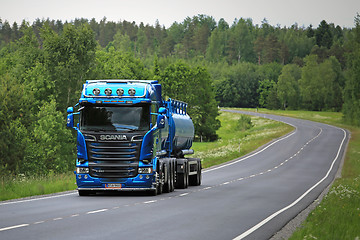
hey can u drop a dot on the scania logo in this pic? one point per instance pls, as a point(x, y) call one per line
point(112, 137)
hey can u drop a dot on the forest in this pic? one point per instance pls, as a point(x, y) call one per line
point(206, 63)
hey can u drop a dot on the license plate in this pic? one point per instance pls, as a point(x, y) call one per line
point(113, 185)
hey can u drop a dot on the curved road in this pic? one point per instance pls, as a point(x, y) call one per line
point(249, 198)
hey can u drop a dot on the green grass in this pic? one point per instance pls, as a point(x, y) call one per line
point(21, 186)
point(234, 143)
point(338, 214)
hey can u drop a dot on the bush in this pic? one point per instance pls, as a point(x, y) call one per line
point(244, 123)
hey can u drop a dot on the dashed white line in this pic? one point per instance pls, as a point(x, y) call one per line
point(152, 201)
point(38, 222)
point(183, 194)
point(56, 219)
point(97, 211)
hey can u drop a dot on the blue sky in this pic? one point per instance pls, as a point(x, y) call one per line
point(282, 12)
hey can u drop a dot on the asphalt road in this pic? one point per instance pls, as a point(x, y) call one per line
point(249, 198)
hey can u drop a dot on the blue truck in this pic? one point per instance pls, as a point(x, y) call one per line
point(130, 139)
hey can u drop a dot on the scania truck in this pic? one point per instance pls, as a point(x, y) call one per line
point(130, 139)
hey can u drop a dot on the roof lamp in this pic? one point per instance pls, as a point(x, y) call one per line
point(108, 91)
point(131, 91)
point(96, 91)
point(120, 91)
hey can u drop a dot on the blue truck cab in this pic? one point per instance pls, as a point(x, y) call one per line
point(130, 139)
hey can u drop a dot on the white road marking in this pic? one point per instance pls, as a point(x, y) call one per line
point(97, 211)
point(152, 201)
point(56, 219)
point(263, 222)
point(13, 227)
point(184, 194)
point(38, 222)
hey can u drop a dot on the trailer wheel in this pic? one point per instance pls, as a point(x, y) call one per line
point(172, 176)
point(182, 178)
point(195, 180)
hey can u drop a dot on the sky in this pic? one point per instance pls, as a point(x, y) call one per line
point(276, 12)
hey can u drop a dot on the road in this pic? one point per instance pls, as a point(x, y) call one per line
point(249, 198)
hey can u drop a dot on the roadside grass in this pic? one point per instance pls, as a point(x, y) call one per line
point(234, 143)
point(21, 186)
point(338, 215)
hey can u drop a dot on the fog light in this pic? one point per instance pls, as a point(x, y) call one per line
point(86, 176)
point(147, 176)
point(146, 170)
point(79, 176)
point(141, 176)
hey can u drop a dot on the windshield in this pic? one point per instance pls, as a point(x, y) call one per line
point(109, 118)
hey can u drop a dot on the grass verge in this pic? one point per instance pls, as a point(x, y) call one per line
point(21, 186)
point(338, 214)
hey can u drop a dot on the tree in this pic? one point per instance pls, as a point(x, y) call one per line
point(239, 87)
point(69, 58)
point(122, 42)
point(320, 84)
point(51, 147)
point(323, 35)
point(14, 116)
point(288, 87)
point(118, 65)
point(193, 85)
point(351, 107)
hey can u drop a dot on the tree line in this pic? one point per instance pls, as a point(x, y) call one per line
point(200, 61)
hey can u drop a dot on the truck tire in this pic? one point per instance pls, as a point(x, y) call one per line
point(195, 180)
point(160, 179)
point(172, 175)
point(167, 182)
point(182, 178)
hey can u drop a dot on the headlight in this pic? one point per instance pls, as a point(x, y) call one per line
point(146, 170)
point(82, 170)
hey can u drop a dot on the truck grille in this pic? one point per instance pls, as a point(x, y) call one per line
point(113, 159)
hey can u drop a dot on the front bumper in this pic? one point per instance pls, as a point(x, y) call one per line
point(139, 183)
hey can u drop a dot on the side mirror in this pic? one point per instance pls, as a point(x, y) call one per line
point(70, 117)
point(160, 121)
